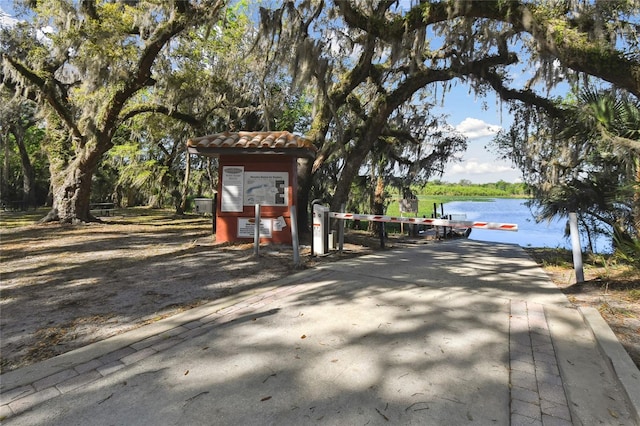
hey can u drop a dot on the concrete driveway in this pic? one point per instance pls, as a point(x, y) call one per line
point(451, 333)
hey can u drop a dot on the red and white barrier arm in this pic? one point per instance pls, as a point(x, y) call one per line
point(427, 221)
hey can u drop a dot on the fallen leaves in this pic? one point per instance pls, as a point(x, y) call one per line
point(418, 406)
point(269, 376)
point(383, 416)
point(194, 397)
point(105, 399)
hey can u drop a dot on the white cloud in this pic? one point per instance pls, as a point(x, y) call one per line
point(476, 168)
point(474, 128)
point(6, 21)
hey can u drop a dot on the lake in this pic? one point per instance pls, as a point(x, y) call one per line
point(530, 233)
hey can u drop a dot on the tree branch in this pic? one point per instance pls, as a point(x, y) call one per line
point(573, 49)
point(569, 43)
point(161, 109)
point(526, 96)
point(47, 86)
point(181, 17)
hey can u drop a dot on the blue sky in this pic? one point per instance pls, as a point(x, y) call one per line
point(479, 119)
point(5, 8)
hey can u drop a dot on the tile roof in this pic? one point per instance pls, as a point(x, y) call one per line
point(251, 143)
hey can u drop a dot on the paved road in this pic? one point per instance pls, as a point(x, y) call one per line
point(440, 334)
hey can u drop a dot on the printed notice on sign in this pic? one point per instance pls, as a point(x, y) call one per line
point(247, 226)
point(266, 188)
point(232, 189)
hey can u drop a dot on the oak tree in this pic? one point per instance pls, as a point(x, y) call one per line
point(91, 65)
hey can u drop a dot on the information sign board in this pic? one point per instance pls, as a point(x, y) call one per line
point(266, 188)
point(232, 189)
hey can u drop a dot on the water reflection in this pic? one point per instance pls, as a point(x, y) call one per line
point(530, 233)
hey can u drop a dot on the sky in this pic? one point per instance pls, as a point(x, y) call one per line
point(5, 19)
point(478, 119)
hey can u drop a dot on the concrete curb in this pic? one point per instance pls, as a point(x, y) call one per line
point(618, 359)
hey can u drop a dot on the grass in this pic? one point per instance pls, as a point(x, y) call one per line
point(606, 308)
point(9, 219)
point(634, 295)
point(552, 257)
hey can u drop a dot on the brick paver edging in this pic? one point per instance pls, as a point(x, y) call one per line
point(537, 393)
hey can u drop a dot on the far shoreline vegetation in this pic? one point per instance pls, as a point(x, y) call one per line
point(465, 188)
point(443, 192)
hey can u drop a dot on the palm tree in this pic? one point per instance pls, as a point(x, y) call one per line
point(605, 128)
point(615, 120)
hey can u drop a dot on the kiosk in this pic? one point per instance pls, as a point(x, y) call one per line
point(254, 168)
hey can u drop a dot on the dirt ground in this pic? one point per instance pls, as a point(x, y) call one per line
point(63, 287)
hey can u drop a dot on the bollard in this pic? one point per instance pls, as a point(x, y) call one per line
point(341, 232)
point(575, 246)
point(294, 236)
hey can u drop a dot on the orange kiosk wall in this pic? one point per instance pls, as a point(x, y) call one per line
point(246, 180)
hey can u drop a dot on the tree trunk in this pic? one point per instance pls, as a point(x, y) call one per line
point(213, 184)
point(347, 175)
point(377, 206)
point(4, 186)
point(305, 180)
point(636, 201)
point(71, 187)
point(357, 156)
point(28, 186)
point(185, 190)
point(28, 172)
